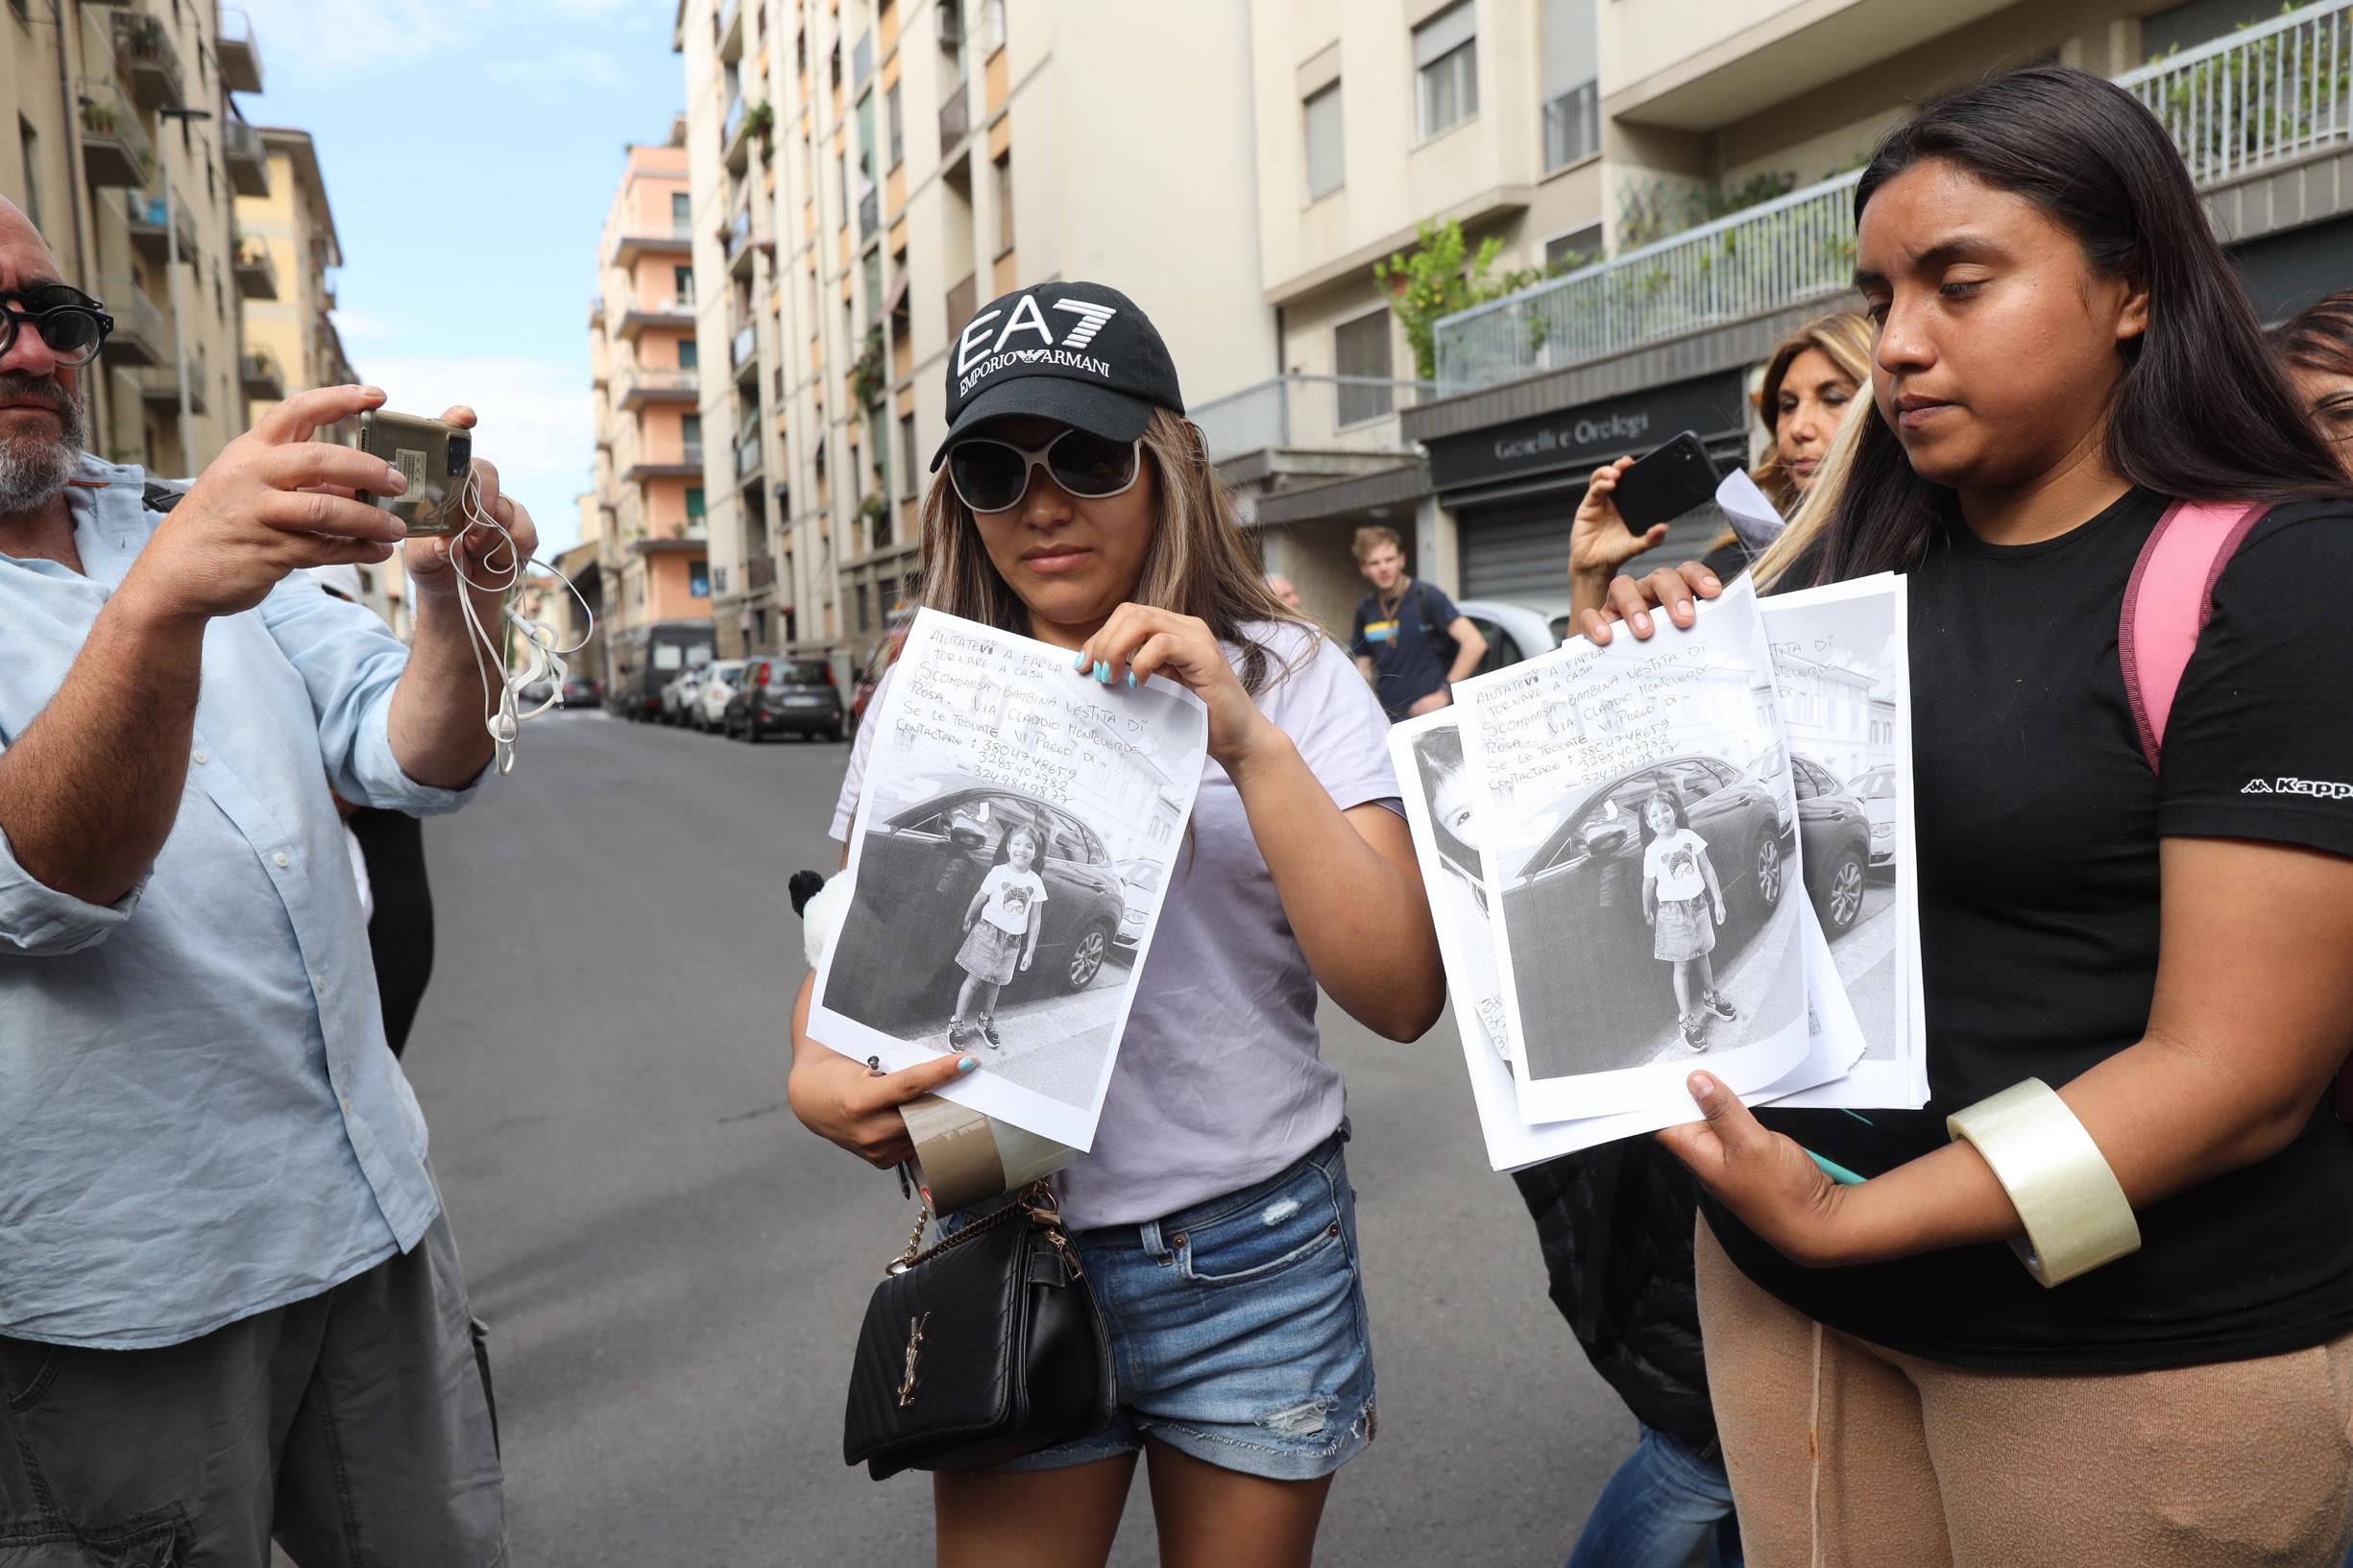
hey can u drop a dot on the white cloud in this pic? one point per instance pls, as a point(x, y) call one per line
point(538, 424)
point(359, 326)
point(572, 64)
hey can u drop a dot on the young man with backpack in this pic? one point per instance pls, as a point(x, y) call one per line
point(1409, 640)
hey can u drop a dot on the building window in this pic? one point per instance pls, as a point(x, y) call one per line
point(896, 120)
point(689, 353)
point(691, 432)
point(698, 580)
point(1570, 251)
point(682, 211)
point(682, 285)
point(908, 476)
point(694, 504)
point(866, 608)
point(1005, 202)
point(1360, 349)
point(29, 141)
point(1326, 163)
point(992, 27)
point(1446, 67)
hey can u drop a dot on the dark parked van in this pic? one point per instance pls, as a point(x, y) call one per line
point(645, 659)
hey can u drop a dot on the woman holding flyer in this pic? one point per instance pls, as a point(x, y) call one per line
point(2062, 355)
point(1214, 1213)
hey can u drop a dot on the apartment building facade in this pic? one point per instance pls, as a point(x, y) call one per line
point(1371, 120)
point(868, 173)
point(128, 151)
point(647, 505)
point(1731, 135)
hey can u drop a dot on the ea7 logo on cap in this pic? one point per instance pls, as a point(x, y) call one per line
point(978, 355)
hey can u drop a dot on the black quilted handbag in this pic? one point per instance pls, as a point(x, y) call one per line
point(983, 1348)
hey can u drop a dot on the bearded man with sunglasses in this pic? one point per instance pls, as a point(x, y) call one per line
point(230, 1306)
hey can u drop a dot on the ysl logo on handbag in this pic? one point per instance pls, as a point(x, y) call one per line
point(914, 1348)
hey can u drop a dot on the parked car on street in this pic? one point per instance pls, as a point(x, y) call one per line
point(581, 691)
point(1876, 789)
point(1834, 837)
point(918, 874)
point(779, 695)
point(679, 692)
point(1517, 629)
point(709, 704)
point(1139, 880)
point(1587, 878)
point(645, 658)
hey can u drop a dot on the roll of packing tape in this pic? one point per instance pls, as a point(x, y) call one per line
point(964, 1157)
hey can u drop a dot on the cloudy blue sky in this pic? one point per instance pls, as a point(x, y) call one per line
point(472, 285)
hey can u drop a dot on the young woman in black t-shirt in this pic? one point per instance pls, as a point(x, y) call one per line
point(2062, 352)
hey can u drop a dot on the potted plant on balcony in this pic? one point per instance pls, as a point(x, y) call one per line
point(1433, 280)
point(760, 120)
point(866, 377)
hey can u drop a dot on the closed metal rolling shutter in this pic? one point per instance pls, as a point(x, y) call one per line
point(1510, 552)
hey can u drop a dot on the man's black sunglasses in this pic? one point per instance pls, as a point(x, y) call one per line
point(73, 325)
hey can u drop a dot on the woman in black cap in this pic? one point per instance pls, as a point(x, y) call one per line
point(1214, 1213)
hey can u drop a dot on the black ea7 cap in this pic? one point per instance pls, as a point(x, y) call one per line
point(1077, 354)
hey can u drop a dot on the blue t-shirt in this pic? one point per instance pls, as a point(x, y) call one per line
point(1410, 650)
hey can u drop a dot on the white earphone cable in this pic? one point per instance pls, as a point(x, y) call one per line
point(503, 716)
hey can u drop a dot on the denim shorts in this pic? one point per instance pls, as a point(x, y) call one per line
point(1238, 1330)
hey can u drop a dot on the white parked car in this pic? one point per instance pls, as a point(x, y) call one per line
point(678, 694)
point(1876, 789)
point(1517, 629)
point(719, 678)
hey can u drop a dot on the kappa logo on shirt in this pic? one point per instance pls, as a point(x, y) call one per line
point(2319, 788)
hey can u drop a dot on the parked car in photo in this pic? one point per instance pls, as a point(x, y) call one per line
point(1517, 629)
point(779, 695)
point(1876, 789)
point(645, 660)
point(1586, 879)
point(1139, 883)
point(581, 691)
point(1835, 840)
point(678, 694)
point(709, 704)
point(918, 874)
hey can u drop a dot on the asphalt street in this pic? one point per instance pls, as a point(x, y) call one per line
point(673, 1270)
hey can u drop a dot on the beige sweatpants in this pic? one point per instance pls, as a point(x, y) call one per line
point(1923, 1465)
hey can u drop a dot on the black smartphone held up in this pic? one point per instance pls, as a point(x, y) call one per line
point(1665, 483)
point(434, 458)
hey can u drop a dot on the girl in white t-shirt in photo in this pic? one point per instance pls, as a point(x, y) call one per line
point(1000, 928)
point(1213, 1211)
point(1680, 891)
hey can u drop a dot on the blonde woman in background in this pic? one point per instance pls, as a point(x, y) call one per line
point(1808, 385)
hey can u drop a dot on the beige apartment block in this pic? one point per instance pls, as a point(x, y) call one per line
point(908, 161)
point(644, 356)
point(1375, 117)
point(126, 148)
point(1732, 136)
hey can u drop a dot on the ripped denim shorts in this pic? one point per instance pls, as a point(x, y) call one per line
point(1237, 1328)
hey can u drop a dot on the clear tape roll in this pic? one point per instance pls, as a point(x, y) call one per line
point(964, 1157)
point(2074, 1210)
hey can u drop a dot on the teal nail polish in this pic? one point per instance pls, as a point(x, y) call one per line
point(1079, 660)
point(1102, 672)
point(967, 1064)
point(1131, 680)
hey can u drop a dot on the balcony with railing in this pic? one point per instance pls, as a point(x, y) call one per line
point(870, 213)
point(727, 30)
point(735, 242)
point(114, 148)
point(747, 455)
point(159, 384)
point(248, 160)
point(678, 313)
point(676, 239)
point(758, 572)
point(145, 214)
point(955, 119)
point(141, 336)
point(147, 58)
point(240, 57)
point(262, 376)
point(2252, 101)
point(255, 271)
point(686, 462)
point(639, 385)
point(743, 348)
point(1355, 415)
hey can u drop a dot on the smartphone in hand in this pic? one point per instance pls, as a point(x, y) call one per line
point(1665, 483)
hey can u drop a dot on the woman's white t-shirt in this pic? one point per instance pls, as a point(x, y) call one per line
point(1219, 1082)
point(1672, 865)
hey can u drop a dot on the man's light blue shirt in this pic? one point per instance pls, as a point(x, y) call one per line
point(199, 1117)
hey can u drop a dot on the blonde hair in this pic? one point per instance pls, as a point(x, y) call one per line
point(1844, 337)
point(1198, 562)
point(1372, 537)
point(1813, 518)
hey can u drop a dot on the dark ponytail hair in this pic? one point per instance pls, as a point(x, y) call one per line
point(2203, 412)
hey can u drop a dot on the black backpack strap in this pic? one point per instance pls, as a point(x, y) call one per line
point(161, 498)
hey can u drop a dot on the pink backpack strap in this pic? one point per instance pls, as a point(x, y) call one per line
point(2169, 602)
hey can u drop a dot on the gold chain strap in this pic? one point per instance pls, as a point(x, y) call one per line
point(1036, 1202)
